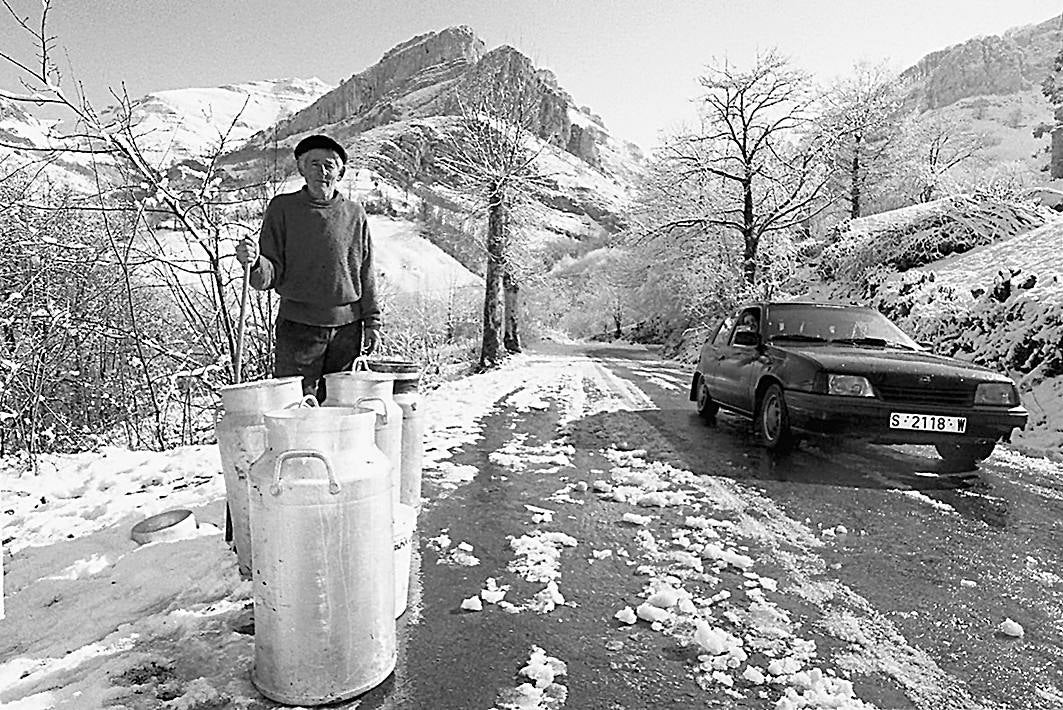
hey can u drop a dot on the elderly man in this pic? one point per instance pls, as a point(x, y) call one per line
point(314, 250)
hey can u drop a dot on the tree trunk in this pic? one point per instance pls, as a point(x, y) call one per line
point(511, 338)
point(1056, 164)
point(491, 349)
point(854, 188)
point(749, 235)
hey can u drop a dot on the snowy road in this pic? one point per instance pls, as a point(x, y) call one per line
point(587, 542)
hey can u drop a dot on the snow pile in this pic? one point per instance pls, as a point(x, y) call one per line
point(544, 692)
point(538, 555)
point(1010, 627)
point(492, 593)
point(704, 591)
point(537, 559)
point(642, 483)
point(517, 457)
point(473, 603)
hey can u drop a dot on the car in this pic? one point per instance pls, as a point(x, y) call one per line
point(825, 369)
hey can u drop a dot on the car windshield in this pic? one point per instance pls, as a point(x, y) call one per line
point(834, 324)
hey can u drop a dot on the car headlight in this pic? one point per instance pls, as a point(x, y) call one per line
point(849, 386)
point(999, 393)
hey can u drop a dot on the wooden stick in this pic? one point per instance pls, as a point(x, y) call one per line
point(238, 356)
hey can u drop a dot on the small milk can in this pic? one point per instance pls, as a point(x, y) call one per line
point(407, 376)
point(241, 439)
point(373, 390)
point(324, 574)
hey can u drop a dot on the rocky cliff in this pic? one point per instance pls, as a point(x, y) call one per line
point(398, 116)
point(1004, 64)
point(424, 78)
point(406, 81)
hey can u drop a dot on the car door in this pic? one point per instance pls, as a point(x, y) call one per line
point(710, 354)
point(735, 365)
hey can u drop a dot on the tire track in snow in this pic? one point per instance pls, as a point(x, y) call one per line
point(875, 643)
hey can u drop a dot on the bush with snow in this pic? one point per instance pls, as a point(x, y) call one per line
point(865, 250)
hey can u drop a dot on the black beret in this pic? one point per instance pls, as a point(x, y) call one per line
point(319, 141)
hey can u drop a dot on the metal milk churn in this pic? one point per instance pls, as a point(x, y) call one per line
point(373, 390)
point(241, 438)
point(321, 526)
point(407, 376)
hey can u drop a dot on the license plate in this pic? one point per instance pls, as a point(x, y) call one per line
point(928, 422)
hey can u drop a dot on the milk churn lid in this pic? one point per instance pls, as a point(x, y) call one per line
point(403, 367)
point(171, 525)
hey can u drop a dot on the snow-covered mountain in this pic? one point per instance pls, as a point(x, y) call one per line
point(182, 124)
point(26, 147)
point(398, 115)
point(170, 126)
point(992, 86)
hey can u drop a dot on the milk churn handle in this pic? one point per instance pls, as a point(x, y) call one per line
point(383, 406)
point(308, 400)
point(362, 361)
point(275, 489)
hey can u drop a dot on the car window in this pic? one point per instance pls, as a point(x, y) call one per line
point(724, 331)
point(748, 319)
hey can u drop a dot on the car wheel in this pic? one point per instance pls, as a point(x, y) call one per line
point(965, 455)
point(707, 409)
point(773, 419)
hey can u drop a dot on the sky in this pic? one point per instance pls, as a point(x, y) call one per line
point(634, 63)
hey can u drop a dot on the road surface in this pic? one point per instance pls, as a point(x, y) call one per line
point(859, 575)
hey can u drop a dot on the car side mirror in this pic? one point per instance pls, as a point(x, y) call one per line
point(748, 338)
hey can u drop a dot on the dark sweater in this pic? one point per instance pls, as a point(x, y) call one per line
point(318, 256)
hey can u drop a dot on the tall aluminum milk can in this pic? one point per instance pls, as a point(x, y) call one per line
point(407, 376)
point(321, 526)
point(241, 438)
point(373, 390)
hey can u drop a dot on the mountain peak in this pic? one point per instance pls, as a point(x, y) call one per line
point(457, 40)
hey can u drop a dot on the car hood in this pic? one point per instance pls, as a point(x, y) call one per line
point(873, 362)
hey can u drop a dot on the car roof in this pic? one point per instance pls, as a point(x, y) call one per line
point(804, 304)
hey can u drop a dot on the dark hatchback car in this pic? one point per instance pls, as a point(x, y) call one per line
point(847, 371)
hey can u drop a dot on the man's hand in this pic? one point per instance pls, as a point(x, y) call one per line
point(247, 251)
point(370, 339)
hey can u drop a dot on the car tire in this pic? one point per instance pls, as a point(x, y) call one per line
point(965, 455)
point(773, 420)
point(707, 408)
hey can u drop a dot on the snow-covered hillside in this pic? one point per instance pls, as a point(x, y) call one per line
point(1000, 304)
point(26, 148)
point(190, 123)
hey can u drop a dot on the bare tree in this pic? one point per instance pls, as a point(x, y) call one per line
point(755, 166)
point(131, 197)
point(859, 113)
point(931, 150)
point(493, 152)
point(1052, 88)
